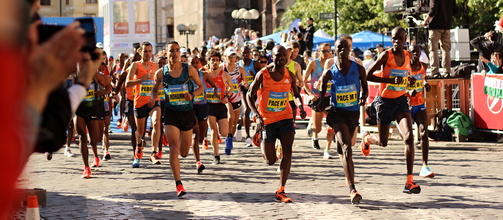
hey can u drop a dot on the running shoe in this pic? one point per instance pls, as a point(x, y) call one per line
point(48, 155)
point(279, 151)
point(164, 140)
point(316, 144)
point(139, 153)
point(125, 125)
point(355, 197)
point(220, 140)
point(365, 145)
point(107, 156)
point(205, 143)
point(200, 167)
point(159, 154)
point(216, 160)
point(87, 173)
point(281, 195)
point(426, 172)
point(326, 155)
point(136, 163)
point(228, 145)
point(249, 142)
point(68, 152)
point(411, 187)
point(257, 138)
point(119, 123)
point(180, 191)
point(96, 162)
point(309, 131)
point(154, 158)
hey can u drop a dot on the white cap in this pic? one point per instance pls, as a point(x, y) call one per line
point(287, 45)
point(229, 51)
point(367, 53)
point(99, 45)
point(183, 50)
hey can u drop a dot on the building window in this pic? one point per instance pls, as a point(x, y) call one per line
point(91, 1)
point(45, 2)
point(67, 2)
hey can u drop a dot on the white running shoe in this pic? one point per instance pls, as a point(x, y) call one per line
point(249, 142)
point(326, 155)
point(68, 152)
point(426, 172)
point(239, 136)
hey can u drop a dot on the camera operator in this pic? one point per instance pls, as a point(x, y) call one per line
point(486, 45)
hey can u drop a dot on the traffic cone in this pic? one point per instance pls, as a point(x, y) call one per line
point(32, 210)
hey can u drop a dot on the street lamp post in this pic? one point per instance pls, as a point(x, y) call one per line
point(187, 30)
point(245, 16)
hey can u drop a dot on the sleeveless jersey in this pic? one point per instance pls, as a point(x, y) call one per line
point(143, 89)
point(175, 88)
point(418, 86)
point(201, 98)
point(345, 89)
point(273, 98)
point(392, 70)
point(315, 76)
point(291, 67)
point(219, 82)
point(250, 70)
point(236, 80)
point(90, 100)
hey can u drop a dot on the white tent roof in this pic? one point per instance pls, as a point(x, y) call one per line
point(322, 33)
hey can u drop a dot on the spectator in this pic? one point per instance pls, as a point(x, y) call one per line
point(300, 39)
point(486, 45)
point(296, 55)
point(367, 59)
point(308, 34)
point(439, 22)
point(495, 65)
point(379, 50)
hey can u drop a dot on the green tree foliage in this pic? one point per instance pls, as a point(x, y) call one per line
point(359, 15)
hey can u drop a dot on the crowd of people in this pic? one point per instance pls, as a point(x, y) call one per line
point(223, 86)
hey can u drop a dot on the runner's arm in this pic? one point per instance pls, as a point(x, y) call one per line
point(364, 85)
point(157, 84)
point(381, 62)
point(296, 94)
point(310, 69)
point(243, 77)
point(194, 76)
point(250, 98)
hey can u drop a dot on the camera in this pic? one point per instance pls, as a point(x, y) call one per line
point(46, 31)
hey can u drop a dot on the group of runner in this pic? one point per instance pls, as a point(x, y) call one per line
point(210, 91)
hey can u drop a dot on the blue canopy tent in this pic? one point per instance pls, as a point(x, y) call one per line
point(277, 38)
point(367, 39)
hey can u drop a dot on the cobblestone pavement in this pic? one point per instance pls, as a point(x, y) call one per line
point(467, 185)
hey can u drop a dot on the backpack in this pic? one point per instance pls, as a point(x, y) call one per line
point(442, 131)
point(463, 70)
point(461, 123)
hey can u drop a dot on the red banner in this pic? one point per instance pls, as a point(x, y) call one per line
point(142, 27)
point(488, 110)
point(121, 28)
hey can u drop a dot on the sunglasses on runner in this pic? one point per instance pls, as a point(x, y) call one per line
point(325, 51)
point(263, 61)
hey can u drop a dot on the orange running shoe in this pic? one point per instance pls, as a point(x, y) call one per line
point(159, 154)
point(205, 144)
point(87, 173)
point(164, 140)
point(96, 162)
point(154, 159)
point(125, 125)
point(200, 167)
point(220, 140)
point(411, 187)
point(355, 197)
point(180, 191)
point(119, 123)
point(281, 195)
point(139, 153)
point(365, 145)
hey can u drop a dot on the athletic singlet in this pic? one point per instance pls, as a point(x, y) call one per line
point(219, 82)
point(250, 70)
point(392, 70)
point(236, 80)
point(90, 98)
point(273, 98)
point(201, 98)
point(345, 88)
point(418, 99)
point(143, 89)
point(315, 76)
point(291, 66)
point(175, 88)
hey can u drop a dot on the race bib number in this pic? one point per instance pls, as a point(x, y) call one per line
point(176, 94)
point(329, 87)
point(210, 95)
point(162, 94)
point(249, 77)
point(146, 87)
point(90, 93)
point(235, 86)
point(346, 96)
point(418, 85)
point(398, 73)
point(277, 101)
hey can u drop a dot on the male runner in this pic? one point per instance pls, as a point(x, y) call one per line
point(251, 67)
point(274, 114)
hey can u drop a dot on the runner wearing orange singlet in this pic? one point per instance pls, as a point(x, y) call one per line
point(141, 76)
point(415, 92)
point(274, 114)
point(391, 103)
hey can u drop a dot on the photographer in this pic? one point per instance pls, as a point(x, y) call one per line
point(486, 45)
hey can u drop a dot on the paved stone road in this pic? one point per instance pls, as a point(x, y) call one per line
point(468, 185)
